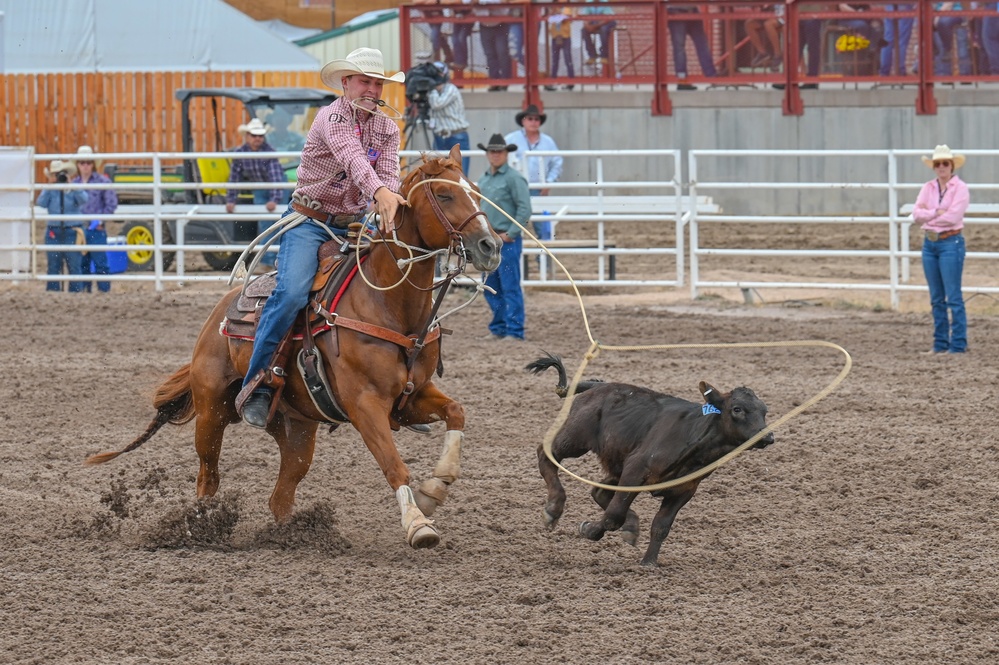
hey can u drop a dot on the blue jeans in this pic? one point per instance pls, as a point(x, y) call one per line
point(604, 31)
point(443, 144)
point(298, 261)
point(508, 303)
point(990, 40)
point(898, 31)
point(96, 262)
point(948, 29)
point(943, 263)
point(459, 44)
point(679, 30)
point(63, 234)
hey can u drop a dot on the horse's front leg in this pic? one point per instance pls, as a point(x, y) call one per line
point(427, 405)
point(370, 419)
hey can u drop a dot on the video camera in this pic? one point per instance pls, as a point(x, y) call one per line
point(62, 177)
point(420, 80)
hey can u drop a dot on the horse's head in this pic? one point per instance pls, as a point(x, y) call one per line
point(448, 215)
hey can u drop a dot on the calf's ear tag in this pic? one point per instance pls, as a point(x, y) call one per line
point(708, 409)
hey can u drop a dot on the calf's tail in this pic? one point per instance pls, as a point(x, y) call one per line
point(174, 404)
point(562, 387)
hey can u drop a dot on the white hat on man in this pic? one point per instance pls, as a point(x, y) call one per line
point(367, 61)
point(256, 127)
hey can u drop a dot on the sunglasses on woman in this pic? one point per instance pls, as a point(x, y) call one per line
point(939, 164)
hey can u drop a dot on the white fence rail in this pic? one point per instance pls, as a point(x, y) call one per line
point(589, 197)
point(896, 217)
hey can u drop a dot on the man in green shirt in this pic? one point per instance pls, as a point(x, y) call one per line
point(508, 190)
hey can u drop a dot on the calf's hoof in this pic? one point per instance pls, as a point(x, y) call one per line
point(650, 563)
point(630, 537)
point(591, 531)
point(551, 521)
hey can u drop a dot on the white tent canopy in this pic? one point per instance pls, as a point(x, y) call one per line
point(138, 35)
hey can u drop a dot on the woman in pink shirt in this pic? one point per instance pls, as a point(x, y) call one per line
point(940, 211)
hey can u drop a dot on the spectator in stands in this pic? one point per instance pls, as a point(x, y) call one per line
point(460, 34)
point(507, 189)
point(990, 35)
point(494, 33)
point(99, 202)
point(680, 28)
point(63, 232)
point(540, 170)
point(940, 209)
point(897, 33)
point(949, 31)
point(447, 116)
point(869, 29)
point(769, 51)
point(439, 48)
point(256, 170)
point(810, 31)
point(560, 33)
point(598, 24)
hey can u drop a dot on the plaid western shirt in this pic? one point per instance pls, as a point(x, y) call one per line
point(255, 170)
point(348, 155)
point(447, 110)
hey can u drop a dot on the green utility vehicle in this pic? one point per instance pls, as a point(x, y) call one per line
point(288, 111)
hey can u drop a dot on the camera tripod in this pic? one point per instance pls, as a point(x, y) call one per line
point(417, 130)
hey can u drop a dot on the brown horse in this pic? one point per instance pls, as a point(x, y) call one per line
point(368, 374)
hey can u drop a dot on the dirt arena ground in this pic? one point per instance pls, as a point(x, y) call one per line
point(866, 534)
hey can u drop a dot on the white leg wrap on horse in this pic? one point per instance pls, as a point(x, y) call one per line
point(448, 467)
point(413, 520)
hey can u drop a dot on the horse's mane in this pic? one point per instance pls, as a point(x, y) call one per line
point(431, 166)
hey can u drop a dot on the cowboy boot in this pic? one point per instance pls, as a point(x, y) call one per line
point(257, 408)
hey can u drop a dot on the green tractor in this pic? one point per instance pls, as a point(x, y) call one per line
point(289, 111)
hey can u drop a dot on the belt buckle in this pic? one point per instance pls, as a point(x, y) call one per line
point(933, 236)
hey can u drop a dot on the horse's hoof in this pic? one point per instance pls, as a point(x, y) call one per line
point(430, 494)
point(424, 538)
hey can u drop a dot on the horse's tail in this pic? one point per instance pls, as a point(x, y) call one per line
point(562, 387)
point(174, 404)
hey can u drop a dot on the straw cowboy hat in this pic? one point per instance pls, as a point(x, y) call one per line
point(86, 154)
point(530, 110)
point(497, 142)
point(59, 166)
point(256, 127)
point(942, 153)
point(367, 61)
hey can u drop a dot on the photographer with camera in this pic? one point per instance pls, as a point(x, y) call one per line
point(447, 115)
point(61, 232)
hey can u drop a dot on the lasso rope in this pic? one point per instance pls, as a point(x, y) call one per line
point(596, 347)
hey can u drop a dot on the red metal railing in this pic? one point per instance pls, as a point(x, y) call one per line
point(638, 50)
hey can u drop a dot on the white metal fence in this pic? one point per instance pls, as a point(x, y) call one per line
point(896, 192)
point(588, 193)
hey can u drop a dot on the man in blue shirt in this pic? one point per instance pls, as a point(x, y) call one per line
point(63, 232)
point(507, 189)
point(540, 170)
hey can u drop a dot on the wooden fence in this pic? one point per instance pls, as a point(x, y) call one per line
point(130, 111)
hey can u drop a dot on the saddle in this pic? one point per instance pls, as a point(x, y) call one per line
point(336, 263)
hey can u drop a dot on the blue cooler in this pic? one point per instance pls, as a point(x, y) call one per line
point(117, 261)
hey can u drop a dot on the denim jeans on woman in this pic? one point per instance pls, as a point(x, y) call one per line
point(943, 263)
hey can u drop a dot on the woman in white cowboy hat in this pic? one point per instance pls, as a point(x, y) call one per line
point(350, 162)
point(99, 202)
point(940, 209)
point(62, 232)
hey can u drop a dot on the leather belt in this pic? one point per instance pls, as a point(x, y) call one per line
point(934, 236)
point(445, 135)
point(327, 218)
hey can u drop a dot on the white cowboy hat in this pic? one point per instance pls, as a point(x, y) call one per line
point(255, 127)
point(367, 61)
point(59, 166)
point(86, 153)
point(941, 153)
